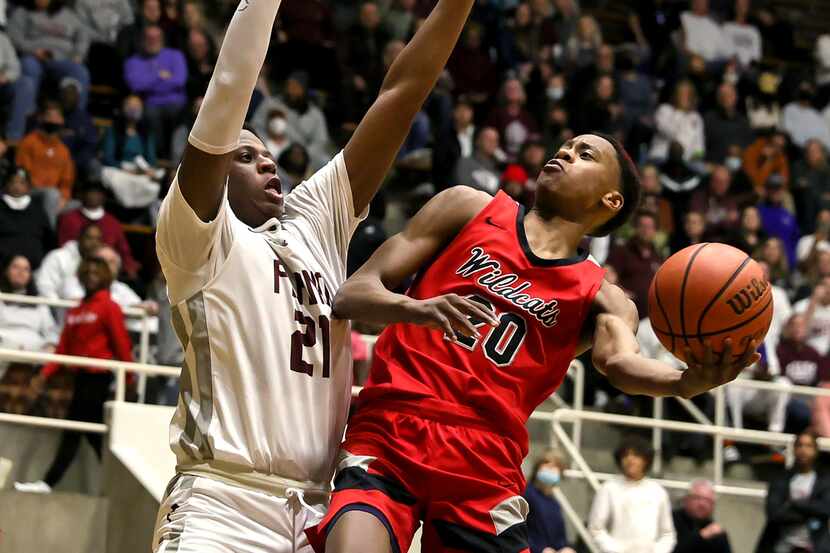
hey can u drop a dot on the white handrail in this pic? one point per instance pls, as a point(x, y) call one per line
point(63, 424)
point(130, 312)
point(133, 312)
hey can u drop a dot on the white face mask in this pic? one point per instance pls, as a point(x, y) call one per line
point(19, 203)
point(555, 93)
point(277, 126)
point(733, 163)
point(94, 214)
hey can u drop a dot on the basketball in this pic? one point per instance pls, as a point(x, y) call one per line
point(709, 292)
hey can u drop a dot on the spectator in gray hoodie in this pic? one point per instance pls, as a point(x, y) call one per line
point(52, 42)
point(9, 77)
point(103, 20)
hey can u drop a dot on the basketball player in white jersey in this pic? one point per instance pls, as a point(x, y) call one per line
point(266, 381)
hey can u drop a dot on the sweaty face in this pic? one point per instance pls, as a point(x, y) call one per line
point(254, 189)
point(581, 182)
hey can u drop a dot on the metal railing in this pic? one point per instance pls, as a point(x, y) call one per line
point(571, 444)
point(130, 312)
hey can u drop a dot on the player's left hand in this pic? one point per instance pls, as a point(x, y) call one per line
point(715, 369)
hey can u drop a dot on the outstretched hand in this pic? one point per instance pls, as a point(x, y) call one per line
point(715, 369)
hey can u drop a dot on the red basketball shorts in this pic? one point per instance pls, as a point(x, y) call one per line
point(464, 483)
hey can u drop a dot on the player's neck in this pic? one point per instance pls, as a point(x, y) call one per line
point(552, 237)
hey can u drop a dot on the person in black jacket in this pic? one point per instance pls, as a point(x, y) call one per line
point(696, 531)
point(798, 505)
point(24, 225)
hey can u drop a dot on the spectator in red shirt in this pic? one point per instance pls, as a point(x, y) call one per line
point(93, 329)
point(92, 212)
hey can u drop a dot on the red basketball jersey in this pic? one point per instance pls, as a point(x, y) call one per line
point(498, 380)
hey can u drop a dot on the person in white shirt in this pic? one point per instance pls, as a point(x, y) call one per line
point(632, 514)
point(819, 241)
point(679, 122)
point(817, 310)
point(62, 264)
point(702, 35)
point(251, 277)
point(23, 326)
point(744, 39)
point(763, 404)
point(802, 121)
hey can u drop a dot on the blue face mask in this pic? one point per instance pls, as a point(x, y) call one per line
point(548, 477)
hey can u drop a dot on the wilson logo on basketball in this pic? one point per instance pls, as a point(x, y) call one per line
point(744, 299)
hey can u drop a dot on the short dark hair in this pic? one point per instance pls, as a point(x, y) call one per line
point(637, 445)
point(248, 127)
point(630, 188)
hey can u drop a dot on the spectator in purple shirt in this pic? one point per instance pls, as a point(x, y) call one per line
point(778, 221)
point(158, 75)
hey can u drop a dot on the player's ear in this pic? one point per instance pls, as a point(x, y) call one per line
point(613, 200)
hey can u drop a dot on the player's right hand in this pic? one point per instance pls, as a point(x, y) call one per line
point(453, 314)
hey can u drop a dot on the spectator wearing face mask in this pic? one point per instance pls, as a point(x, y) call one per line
point(305, 122)
point(24, 226)
point(130, 158)
point(49, 163)
point(92, 211)
point(545, 523)
point(276, 139)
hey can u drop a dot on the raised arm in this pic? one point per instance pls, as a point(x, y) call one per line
point(215, 134)
point(380, 134)
point(616, 353)
point(367, 296)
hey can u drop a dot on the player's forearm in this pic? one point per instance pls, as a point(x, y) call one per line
point(217, 127)
point(636, 375)
point(367, 300)
point(417, 68)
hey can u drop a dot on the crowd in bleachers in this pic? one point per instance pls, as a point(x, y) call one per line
point(721, 104)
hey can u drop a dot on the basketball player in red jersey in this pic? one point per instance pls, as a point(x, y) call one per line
point(440, 431)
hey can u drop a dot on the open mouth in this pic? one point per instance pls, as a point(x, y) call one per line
point(273, 189)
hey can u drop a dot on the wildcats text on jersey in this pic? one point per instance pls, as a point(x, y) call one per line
point(502, 284)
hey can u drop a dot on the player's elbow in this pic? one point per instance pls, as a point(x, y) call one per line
point(341, 307)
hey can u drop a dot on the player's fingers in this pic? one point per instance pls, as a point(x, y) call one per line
point(708, 354)
point(751, 351)
point(475, 310)
point(460, 322)
point(478, 311)
point(726, 356)
point(444, 324)
point(690, 358)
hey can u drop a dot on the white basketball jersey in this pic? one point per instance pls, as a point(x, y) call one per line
point(267, 373)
